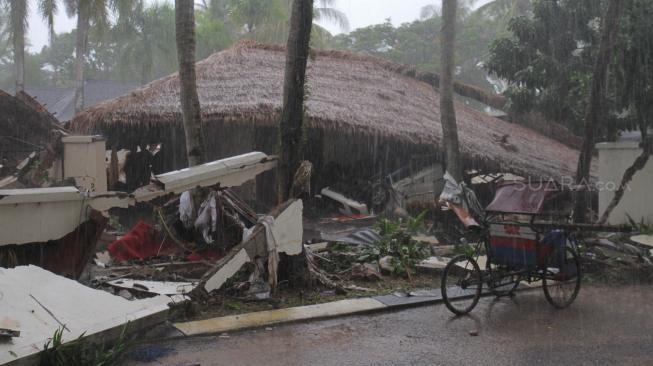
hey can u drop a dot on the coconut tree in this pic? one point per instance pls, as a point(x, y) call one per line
point(267, 20)
point(145, 34)
point(18, 12)
point(596, 108)
point(325, 10)
point(292, 114)
point(190, 104)
point(447, 111)
point(89, 13)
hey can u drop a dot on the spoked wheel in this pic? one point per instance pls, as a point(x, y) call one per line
point(502, 282)
point(561, 282)
point(461, 284)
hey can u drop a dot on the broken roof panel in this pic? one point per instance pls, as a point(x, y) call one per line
point(229, 172)
point(32, 195)
point(39, 214)
point(38, 303)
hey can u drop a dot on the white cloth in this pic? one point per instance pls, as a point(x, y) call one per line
point(452, 191)
point(207, 218)
point(273, 255)
point(186, 209)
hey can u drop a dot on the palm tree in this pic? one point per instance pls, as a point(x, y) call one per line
point(325, 10)
point(267, 20)
point(595, 110)
point(89, 13)
point(4, 32)
point(190, 104)
point(47, 10)
point(502, 11)
point(447, 111)
point(292, 115)
point(18, 12)
point(145, 34)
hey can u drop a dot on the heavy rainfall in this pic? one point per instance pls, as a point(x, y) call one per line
point(327, 182)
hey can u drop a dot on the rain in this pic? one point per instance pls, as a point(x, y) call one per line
point(328, 182)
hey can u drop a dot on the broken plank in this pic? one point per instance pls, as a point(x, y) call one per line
point(289, 235)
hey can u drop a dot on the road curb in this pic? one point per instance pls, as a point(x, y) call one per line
point(335, 309)
point(267, 318)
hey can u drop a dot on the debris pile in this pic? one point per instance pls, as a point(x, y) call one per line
point(30, 142)
point(619, 258)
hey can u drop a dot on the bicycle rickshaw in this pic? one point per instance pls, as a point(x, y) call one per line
point(515, 242)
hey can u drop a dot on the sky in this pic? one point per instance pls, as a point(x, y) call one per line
point(361, 13)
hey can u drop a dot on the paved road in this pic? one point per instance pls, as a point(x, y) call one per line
point(606, 326)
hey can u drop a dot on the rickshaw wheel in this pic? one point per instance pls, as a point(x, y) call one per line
point(461, 284)
point(561, 283)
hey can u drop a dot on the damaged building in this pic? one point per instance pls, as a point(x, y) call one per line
point(366, 118)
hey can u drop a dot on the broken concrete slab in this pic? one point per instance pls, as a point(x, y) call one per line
point(433, 264)
point(646, 240)
point(443, 251)
point(481, 260)
point(427, 239)
point(385, 264)
point(40, 303)
point(153, 287)
point(8, 328)
point(318, 247)
point(366, 271)
point(40, 214)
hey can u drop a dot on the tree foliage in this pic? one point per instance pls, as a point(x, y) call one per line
point(417, 43)
point(134, 39)
point(548, 61)
point(548, 58)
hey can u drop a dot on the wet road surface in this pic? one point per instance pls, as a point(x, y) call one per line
point(605, 326)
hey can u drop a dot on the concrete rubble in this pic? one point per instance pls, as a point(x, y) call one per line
point(38, 303)
point(52, 219)
point(204, 244)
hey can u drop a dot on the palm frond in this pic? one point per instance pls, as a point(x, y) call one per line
point(429, 11)
point(71, 7)
point(326, 3)
point(332, 15)
point(47, 10)
point(18, 13)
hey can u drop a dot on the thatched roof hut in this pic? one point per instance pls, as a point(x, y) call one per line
point(360, 110)
point(25, 126)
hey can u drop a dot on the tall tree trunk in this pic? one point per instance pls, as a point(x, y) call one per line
point(81, 44)
point(18, 10)
point(447, 111)
point(595, 108)
point(292, 115)
point(190, 103)
point(147, 66)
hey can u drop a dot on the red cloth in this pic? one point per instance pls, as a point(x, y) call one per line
point(141, 242)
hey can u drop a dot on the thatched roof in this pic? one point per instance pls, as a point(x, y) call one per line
point(25, 126)
point(60, 101)
point(347, 92)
